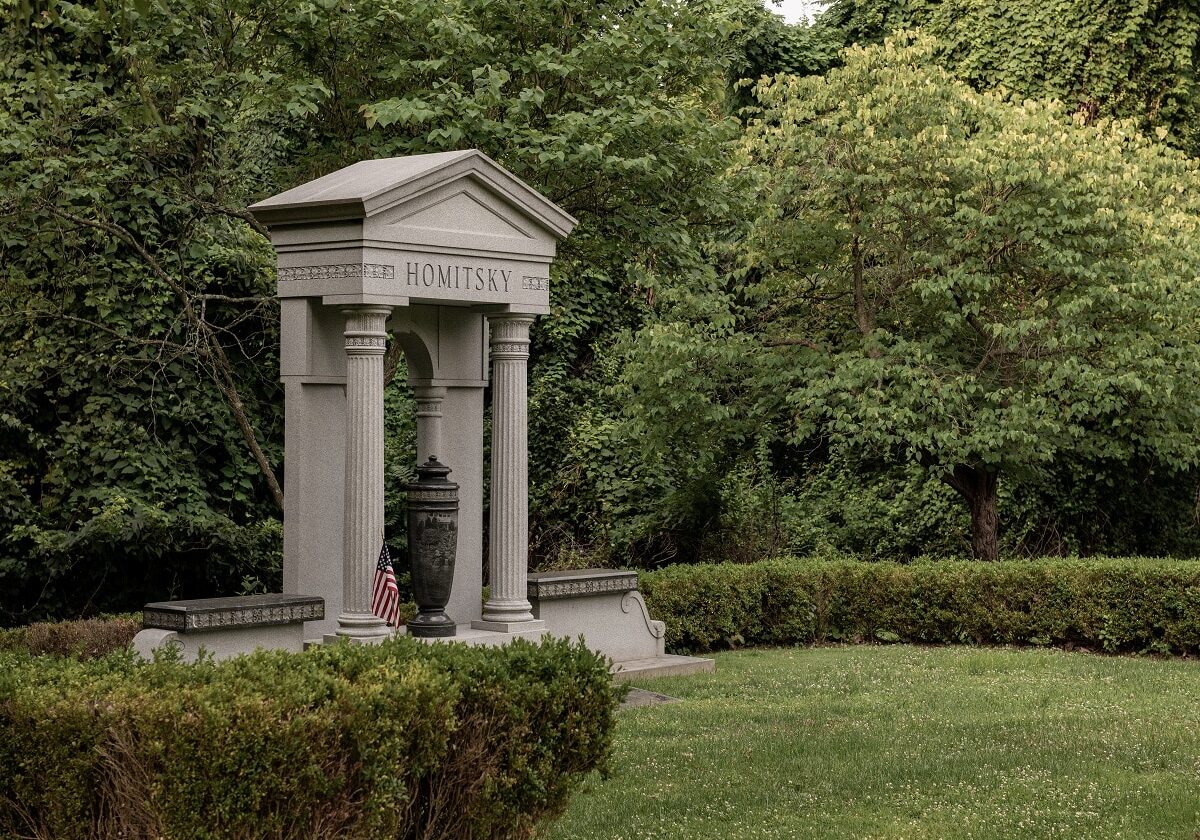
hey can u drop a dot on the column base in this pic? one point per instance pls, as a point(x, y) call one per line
point(507, 610)
point(363, 628)
point(526, 626)
point(336, 638)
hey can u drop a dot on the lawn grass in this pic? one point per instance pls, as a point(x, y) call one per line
point(906, 742)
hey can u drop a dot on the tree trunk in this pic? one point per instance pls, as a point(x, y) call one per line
point(978, 488)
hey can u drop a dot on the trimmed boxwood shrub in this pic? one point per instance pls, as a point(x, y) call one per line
point(1115, 605)
point(397, 740)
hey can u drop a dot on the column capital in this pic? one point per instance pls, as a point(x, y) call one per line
point(429, 400)
point(366, 330)
point(509, 337)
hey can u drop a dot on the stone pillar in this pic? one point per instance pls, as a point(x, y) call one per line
point(429, 424)
point(462, 438)
point(508, 608)
point(366, 338)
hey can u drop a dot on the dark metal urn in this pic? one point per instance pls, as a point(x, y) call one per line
point(432, 545)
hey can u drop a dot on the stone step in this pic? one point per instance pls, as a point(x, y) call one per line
point(668, 665)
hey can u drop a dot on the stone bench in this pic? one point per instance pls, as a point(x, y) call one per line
point(602, 605)
point(225, 627)
point(606, 609)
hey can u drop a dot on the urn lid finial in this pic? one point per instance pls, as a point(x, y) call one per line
point(433, 471)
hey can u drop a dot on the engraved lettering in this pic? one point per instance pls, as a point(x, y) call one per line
point(427, 275)
point(410, 270)
point(492, 287)
point(443, 276)
point(479, 279)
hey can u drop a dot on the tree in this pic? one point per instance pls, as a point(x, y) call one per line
point(768, 45)
point(1134, 60)
point(977, 285)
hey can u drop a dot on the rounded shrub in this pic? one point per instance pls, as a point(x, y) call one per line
point(389, 741)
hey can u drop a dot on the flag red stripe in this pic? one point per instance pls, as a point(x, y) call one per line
point(385, 594)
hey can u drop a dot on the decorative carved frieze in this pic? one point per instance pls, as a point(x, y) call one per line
point(432, 495)
point(510, 349)
point(349, 271)
point(252, 611)
point(366, 341)
point(579, 586)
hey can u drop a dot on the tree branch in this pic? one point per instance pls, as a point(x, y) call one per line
point(220, 369)
point(243, 215)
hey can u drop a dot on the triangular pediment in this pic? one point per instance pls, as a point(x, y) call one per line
point(457, 194)
point(463, 212)
point(469, 211)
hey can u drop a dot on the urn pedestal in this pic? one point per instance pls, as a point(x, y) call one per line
point(432, 545)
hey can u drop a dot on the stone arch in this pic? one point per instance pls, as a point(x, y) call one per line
point(416, 352)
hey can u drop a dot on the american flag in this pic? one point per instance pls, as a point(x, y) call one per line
point(385, 597)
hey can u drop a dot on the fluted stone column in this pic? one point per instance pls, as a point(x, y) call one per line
point(366, 338)
point(508, 608)
point(429, 424)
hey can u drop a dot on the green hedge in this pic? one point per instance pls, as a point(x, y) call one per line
point(1115, 605)
point(87, 638)
point(391, 741)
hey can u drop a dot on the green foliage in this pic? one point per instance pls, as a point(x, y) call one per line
point(395, 740)
point(136, 464)
point(879, 512)
point(1129, 60)
point(840, 504)
point(565, 95)
point(978, 286)
point(135, 304)
point(1114, 605)
point(771, 46)
point(59, 572)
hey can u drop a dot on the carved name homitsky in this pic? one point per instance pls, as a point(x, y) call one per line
point(454, 276)
point(468, 277)
point(426, 277)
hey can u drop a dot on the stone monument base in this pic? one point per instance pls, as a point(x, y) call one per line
point(471, 634)
point(606, 609)
point(334, 638)
point(601, 605)
point(517, 627)
point(226, 627)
